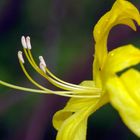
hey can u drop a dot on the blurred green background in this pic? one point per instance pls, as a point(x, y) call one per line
point(61, 31)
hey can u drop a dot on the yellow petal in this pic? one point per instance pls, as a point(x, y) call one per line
point(71, 122)
point(73, 105)
point(121, 58)
point(74, 128)
point(123, 95)
point(74, 125)
point(131, 78)
point(122, 12)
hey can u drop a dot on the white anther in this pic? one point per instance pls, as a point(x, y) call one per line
point(28, 42)
point(23, 42)
point(42, 67)
point(20, 56)
point(42, 60)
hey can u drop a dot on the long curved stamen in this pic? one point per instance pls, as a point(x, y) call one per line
point(62, 93)
point(43, 88)
point(63, 83)
point(72, 90)
point(42, 91)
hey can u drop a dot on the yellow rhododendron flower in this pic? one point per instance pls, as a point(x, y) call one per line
point(122, 91)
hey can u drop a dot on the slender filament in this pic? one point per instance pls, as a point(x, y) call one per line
point(62, 93)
